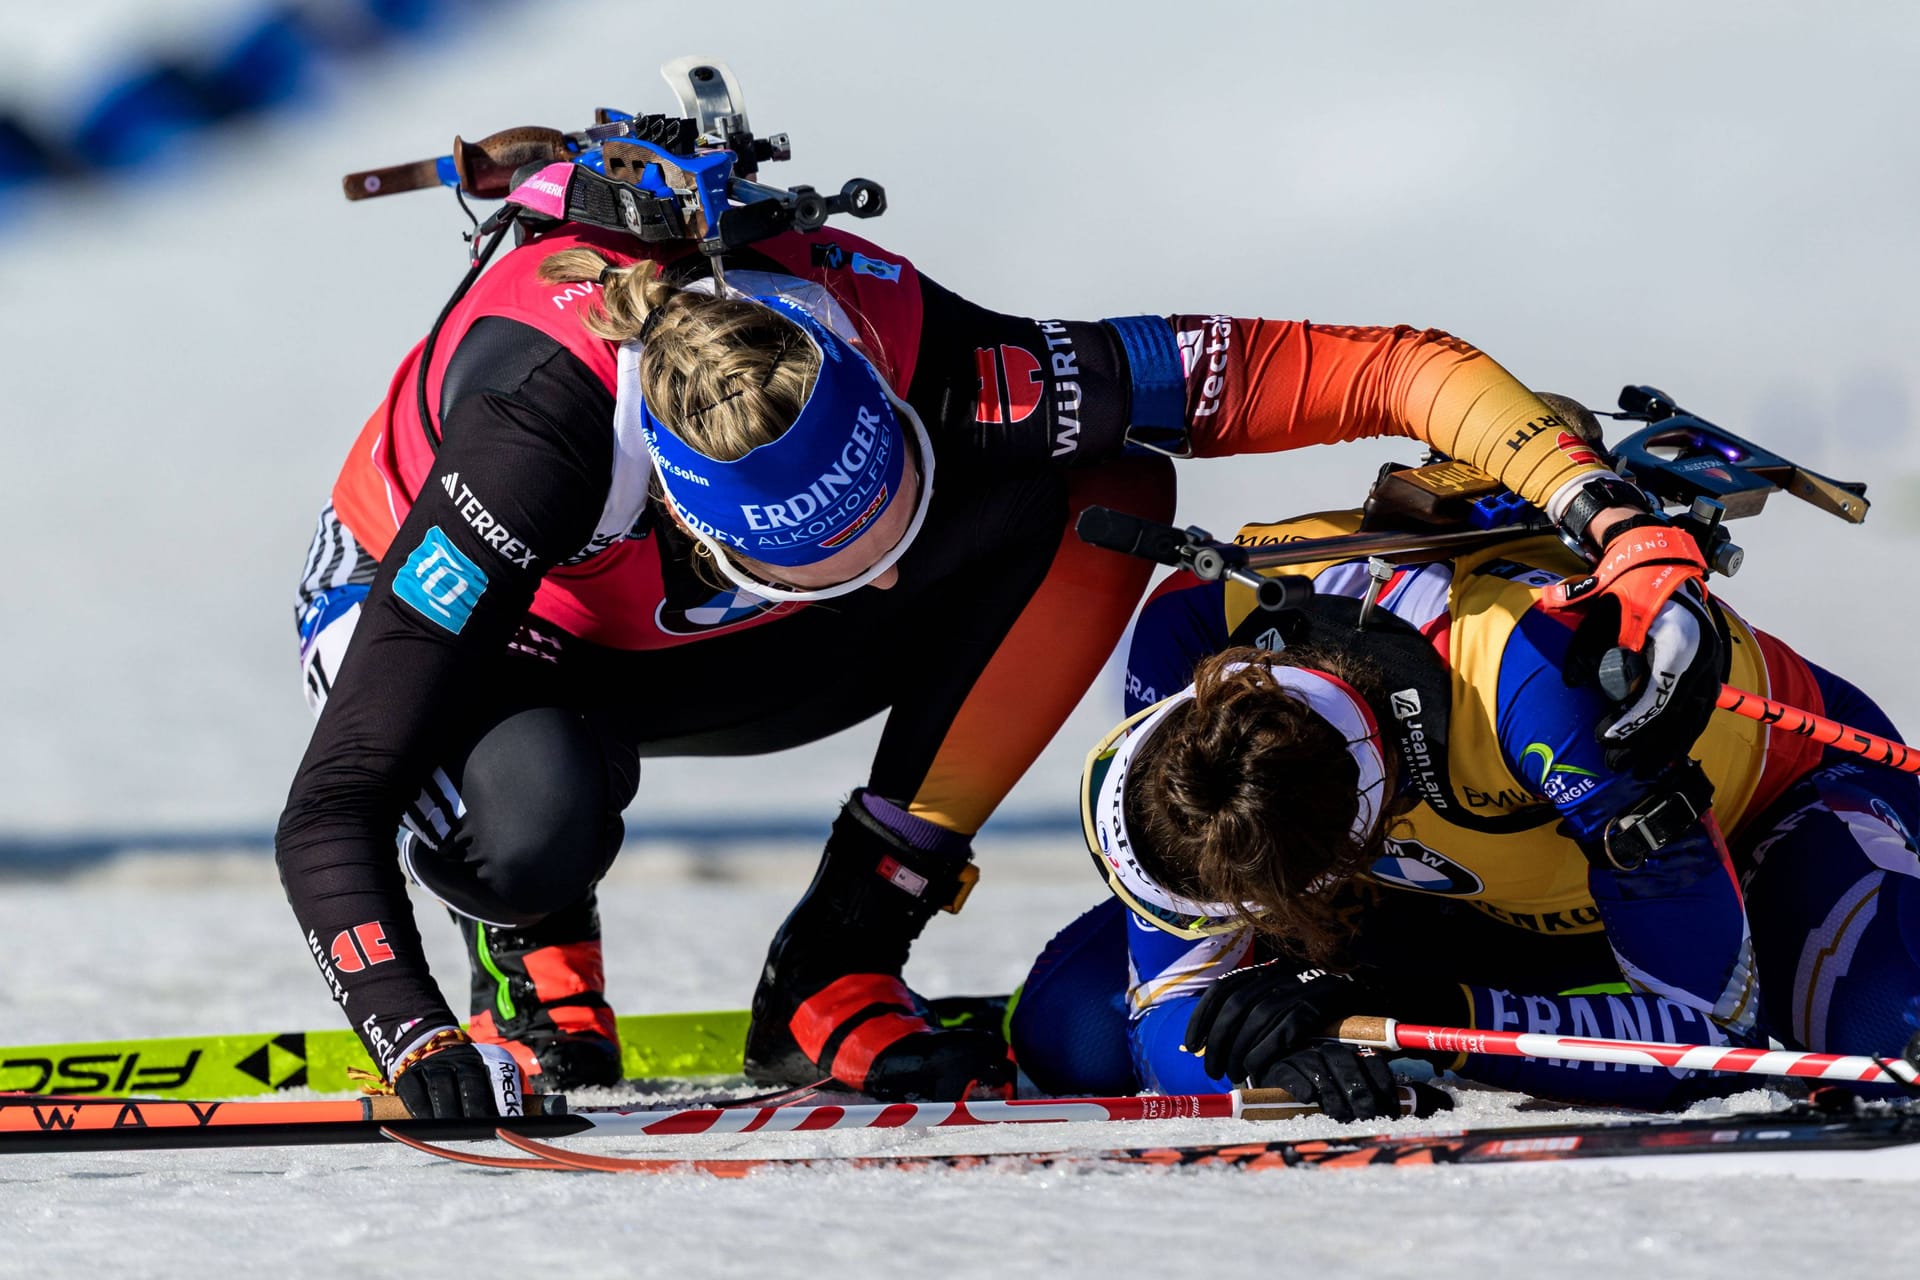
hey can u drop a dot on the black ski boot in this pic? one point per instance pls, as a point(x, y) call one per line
point(831, 1001)
point(540, 992)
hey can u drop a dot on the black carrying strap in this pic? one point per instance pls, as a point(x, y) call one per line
point(497, 225)
point(680, 272)
point(592, 199)
point(1667, 813)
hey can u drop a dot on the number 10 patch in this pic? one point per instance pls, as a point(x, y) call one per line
point(439, 582)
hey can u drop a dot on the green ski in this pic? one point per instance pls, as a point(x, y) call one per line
point(653, 1046)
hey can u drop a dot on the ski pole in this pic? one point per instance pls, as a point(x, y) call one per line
point(21, 1112)
point(1829, 733)
point(42, 1123)
point(1624, 672)
point(1386, 1033)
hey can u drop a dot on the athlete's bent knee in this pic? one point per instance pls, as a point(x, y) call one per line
point(540, 827)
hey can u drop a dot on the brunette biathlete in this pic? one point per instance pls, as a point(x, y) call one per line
point(1304, 819)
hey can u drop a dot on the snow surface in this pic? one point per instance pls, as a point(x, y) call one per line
point(1711, 197)
point(167, 951)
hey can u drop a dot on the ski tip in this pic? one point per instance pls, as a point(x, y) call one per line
point(478, 1158)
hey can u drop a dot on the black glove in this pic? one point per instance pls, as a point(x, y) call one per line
point(459, 1080)
point(1254, 1017)
point(1666, 692)
point(1347, 1083)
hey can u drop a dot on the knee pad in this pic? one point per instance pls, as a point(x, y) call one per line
point(1069, 1026)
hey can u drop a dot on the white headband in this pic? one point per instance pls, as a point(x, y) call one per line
point(1332, 699)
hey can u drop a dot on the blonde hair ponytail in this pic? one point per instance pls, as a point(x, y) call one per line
point(724, 374)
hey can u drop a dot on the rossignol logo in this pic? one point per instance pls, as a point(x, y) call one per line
point(1214, 342)
point(1066, 387)
point(491, 531)
point(824, 505)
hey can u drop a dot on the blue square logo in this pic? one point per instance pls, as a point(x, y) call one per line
point(440, 583)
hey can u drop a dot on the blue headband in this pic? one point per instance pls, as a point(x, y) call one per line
point(801, 498)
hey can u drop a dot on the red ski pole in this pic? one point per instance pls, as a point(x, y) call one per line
point(1386, 1033)
point(1830, 733)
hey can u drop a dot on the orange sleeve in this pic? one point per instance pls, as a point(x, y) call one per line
point(1259, 386)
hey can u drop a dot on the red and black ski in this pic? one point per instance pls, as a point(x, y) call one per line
point(1799, 1129)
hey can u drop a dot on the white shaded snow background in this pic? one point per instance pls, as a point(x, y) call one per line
point(1717, 198)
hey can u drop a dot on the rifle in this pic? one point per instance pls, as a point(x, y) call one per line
point(659, 177)
point(1444, 507)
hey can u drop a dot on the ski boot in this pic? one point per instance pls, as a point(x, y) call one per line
point(831, 1002)
point(539, 992)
